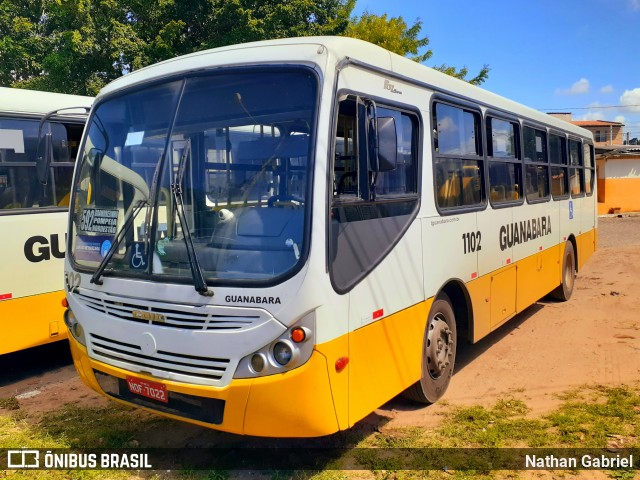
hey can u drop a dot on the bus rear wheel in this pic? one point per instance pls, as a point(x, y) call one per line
point(438, 353)
point(565, 289)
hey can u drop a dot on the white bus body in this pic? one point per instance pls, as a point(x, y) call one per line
point(352, 215)
point(32, 216)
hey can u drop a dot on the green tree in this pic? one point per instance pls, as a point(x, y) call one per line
point(72, 46)
point(78, 46)
point(21, 52)
point(396, 36)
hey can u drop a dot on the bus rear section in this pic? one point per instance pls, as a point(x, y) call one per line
point(33, 211)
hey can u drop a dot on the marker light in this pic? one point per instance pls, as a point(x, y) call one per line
point(64, 303)
point(282, 353)
point(341, 363)
point(298, 334)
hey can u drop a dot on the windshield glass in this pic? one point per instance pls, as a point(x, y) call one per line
point(214, 167)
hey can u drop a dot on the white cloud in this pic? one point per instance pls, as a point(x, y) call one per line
point(631, 98)
point(597, 113)
point(608, 88)
point(589, 116)
point(579, 88)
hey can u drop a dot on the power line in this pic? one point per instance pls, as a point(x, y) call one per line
point(588, 108)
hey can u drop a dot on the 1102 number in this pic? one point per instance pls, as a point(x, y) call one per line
point(471, 242)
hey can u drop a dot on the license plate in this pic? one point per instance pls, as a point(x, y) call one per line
point(145, 388)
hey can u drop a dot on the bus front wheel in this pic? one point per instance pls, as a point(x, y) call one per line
point(438, 353)
point(565, 289)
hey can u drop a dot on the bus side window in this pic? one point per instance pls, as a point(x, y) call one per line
point(345, 178)
point(65, 140)
point(536, 164)
point(589, 168)
point(458, 165)
point(19, 185)
point(559, 167)
point(577, 168)
point(505, 167)
point(18, 182)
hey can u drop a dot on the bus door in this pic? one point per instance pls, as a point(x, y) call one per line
point(375, 241)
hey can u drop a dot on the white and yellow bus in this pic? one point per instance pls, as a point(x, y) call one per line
point(33, 211)
point(277, 238)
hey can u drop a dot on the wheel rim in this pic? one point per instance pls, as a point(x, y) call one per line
point(439, 346)
point(568, 273)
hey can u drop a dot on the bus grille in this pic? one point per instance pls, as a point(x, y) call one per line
point(177, 316)
point(187, 367)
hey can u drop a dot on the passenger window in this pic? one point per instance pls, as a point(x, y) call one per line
point(577, 168)
point(536, 165)
point(505, 167)
point(502, 136)
point(559, 167)
point(19, 185)
point(589, 173)
point(350, 183)
point(456, 131)
point(458, 165)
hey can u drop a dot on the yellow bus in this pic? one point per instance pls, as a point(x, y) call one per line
point(33, 213)
point(276, 238)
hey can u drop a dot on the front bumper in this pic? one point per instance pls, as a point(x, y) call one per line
point(297, 403)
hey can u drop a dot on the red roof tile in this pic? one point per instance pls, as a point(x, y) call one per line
point(596, 123)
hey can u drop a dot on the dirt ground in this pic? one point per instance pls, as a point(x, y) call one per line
point(548, 349)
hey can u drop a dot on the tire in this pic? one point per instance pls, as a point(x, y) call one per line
point(438, 353)
point(565, 289)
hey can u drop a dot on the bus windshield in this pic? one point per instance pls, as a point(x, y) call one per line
point(206, 173)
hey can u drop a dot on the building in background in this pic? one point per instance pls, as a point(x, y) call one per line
point(617, 165)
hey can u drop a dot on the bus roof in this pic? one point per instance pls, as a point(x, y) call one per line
point(339, 49)
point(34, 102)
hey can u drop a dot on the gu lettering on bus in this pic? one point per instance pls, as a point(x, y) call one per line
point(39, 248)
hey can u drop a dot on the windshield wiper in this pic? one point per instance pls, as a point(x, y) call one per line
point(116, 242)
point(200, 283)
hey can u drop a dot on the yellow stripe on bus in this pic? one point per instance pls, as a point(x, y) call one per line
point(31, 321)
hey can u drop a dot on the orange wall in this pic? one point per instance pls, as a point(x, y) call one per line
point(619, 193)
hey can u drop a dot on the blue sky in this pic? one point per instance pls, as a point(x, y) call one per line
point(576, 56)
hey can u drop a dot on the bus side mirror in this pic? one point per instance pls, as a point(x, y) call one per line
point(387, 144)
point(44, 157)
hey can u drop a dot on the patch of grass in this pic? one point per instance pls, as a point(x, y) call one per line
point(405, 437)
point(202, 475)
point(503, 425)
point(594, 417)
point(114, 426)
point(598, 416)
point(10, 403)
point(15, 433)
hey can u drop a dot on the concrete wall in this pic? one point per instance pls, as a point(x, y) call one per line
point(618, 185)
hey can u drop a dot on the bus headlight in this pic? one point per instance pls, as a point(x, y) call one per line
point(74, 326)
point(290, 350)
point(258, 362)
point(282, 353)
